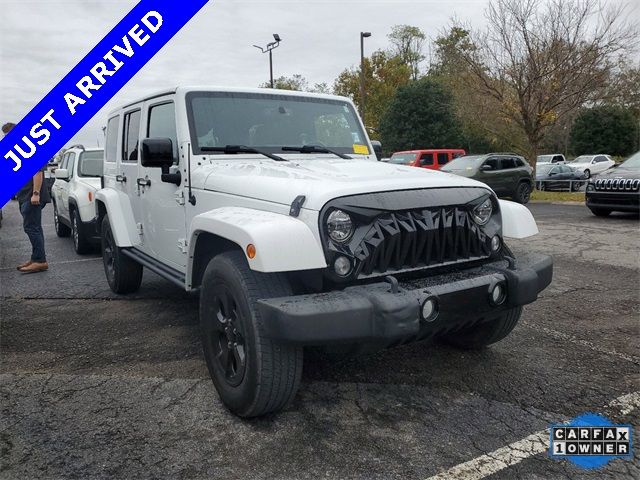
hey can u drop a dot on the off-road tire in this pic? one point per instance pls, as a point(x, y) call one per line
point(80, 242)
point(522, 193)
point(600, 212)
point(124, 274)
point(271, 371)
point(484, 333)
point(61, 229)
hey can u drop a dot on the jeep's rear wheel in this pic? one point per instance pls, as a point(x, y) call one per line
point(61, 229)
point(485, 333)
point(124, 275)
point(80, 242)
point(253, 374)
point(522, 193)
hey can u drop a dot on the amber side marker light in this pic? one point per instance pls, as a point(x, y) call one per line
point(251, 250)
point(91, 196)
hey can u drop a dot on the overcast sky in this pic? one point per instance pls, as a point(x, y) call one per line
point(41, 40)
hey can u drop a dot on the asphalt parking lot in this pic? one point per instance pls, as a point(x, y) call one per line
point(95, 386)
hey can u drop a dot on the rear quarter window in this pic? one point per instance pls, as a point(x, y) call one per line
point(111, 147)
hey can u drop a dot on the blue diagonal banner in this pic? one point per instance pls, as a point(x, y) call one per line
point(88, 87)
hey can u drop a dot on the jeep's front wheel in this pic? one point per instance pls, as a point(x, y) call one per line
point(124, 275)
point(80, 242)
point(253, 374)
point(485, 333)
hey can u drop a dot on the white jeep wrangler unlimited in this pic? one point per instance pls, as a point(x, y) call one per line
point(272, 205)
point(73, 195)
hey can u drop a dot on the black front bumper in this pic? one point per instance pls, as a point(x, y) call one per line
point(381, 312)
point(617, 201)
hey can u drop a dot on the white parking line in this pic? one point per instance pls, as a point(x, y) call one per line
point(583, 343)
point(58, 263)
point(514, 453)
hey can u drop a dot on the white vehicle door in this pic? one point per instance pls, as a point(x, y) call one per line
point(601, 163)
point(56, 190)
point(65, 186)
point(128, 168)
point(162, 202)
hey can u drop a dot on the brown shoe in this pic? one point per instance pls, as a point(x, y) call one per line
point(35, 267)
point(25, 264)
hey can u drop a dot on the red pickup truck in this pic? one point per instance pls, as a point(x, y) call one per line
point(432, 158)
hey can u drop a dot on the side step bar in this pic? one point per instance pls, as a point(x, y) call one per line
point(166, 272)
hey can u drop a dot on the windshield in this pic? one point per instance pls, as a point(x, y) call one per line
point(632, 162)
point(91, 164)
point(269, 122)
point(463, 163)
point(583, 159)
point(544, 169)
point(402, 158)
point(545, 158)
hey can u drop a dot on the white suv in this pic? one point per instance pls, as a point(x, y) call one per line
point(73, 196)
point(272, 204)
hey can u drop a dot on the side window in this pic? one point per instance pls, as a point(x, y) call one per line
point(63, 162)
point(70, 162)
point(601, 158)
point(556, 159)
point(131, 136)
point(554, 171)
point(457, 155)
point(162, 124)
point(519, 162)
point(426, 159)
point(508, 163)
point(111, 143)
point(494, 163)
point(443, 157)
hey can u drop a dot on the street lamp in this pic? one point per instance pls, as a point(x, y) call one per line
point(363, 35)
point(269, 48)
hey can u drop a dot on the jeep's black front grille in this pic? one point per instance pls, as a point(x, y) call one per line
point(420, 238)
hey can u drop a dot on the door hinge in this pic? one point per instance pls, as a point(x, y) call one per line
point(183, 245)
point(180, 197)
point(139, 227)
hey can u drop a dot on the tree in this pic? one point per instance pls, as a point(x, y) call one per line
point(542, 60)
point(420, 116)
point(607, 129)
point(407, 43)
point(383, 75)
point(294, 82)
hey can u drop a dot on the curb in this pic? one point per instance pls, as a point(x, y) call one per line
point(557, 202)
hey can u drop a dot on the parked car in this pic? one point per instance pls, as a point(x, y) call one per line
point(616, 190)
point(592, 164)
point(433, 159)
point(508, 174)
point(551, 158)
point(292, 244)
point(559, 177)
point(73, 196)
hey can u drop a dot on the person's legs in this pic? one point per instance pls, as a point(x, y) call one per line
point(32, 224)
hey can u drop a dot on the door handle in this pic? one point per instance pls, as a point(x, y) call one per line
point(121, 179)
point(144, 182)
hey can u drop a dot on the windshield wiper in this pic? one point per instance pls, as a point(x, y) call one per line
point(315, 149)
point(233, 149)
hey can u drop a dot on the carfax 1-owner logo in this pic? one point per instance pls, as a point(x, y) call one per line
point(590, 441)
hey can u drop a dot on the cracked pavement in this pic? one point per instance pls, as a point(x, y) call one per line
point(93, 385)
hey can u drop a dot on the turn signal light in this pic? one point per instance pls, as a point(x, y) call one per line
point(251, 250)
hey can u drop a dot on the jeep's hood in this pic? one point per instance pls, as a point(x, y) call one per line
point(318, 178)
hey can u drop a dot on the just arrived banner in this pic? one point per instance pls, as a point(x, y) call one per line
point(88, 87)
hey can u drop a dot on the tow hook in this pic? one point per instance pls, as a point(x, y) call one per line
point(393, 281)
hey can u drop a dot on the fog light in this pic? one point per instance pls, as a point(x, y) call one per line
point(498, 294)
point(342, 266)
point(430, 309)
point(495, 243)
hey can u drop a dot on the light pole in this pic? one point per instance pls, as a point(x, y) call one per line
point(363, 94)
point(269, 48)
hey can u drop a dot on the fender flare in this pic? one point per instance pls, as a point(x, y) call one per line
point(120, 216)
point(283, 243)
point(517, 220)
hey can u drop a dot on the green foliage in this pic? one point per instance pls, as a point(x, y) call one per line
point(296, 82)
point(383, 75)
point(421, 116)
point(607, 129)
point(407, 43)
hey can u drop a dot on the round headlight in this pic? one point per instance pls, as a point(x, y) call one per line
point(482, 213)
point(339, 226)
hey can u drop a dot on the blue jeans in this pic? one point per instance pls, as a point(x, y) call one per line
point(32, 224)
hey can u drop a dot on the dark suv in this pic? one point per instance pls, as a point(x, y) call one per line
point(616, 190)
point(508, 174)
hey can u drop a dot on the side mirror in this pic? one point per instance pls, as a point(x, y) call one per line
point(157, 152)
point(377, 149)
point(552, 173)
point(62, 174)
point(486, 168)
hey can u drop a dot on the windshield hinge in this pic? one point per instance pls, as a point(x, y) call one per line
point(183, 245)
point(139, 228)
point(180, 197)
